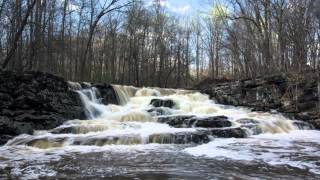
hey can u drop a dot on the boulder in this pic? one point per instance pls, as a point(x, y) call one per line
point(9, 129)
point(197, 137)
point(159, 111)
point(315, 123)
point(5, 138)
point(78, 129)
point(302, 125)
point(106, 93)
point(227, 132)
point(35, 101)
point(247, 121)
point(162, 103)
point(194, 121)
point(209, 122)
point(294, 98)
point(175, 121)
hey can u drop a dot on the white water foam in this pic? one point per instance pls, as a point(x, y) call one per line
point(279, 144)
point(276, 149)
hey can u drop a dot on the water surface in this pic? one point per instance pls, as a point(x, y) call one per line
point(116, 143)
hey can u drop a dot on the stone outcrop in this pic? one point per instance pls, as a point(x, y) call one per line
point(35, 100)
point(105, 92)
point(215, 126)
point(197, 137)
point(232, 132)
point(159, 111)
point(295, 98)
point(40, 101)
point(194, 121)
point(162, 103)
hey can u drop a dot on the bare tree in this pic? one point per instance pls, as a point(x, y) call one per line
point(18, 34)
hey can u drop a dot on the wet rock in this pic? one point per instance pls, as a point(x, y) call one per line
point(251, 124)
point(209, 122)
point(162, 103)
point(295, 98)
point(9, 129)
point(4, 139)
point(315, 123)
point(80, 129)
point(108, 140)
point(35, 101)
point(46, 143)
point(306, 116)
point(166, 138)
point(197, 137)
point(302, 125)
point(180, 138)
point(159, 111)
point(227, 132)
point(193, 121)
point(175, 121)
point(246, 121)
point(63, 130)
point(6, 100)
point(106, 93)
point(86, 85)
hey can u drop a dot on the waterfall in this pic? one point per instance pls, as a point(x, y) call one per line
point(92, 105)
point(193, 119)
point(194, 125)
point(124, 93)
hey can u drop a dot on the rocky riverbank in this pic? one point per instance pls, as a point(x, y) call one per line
point(40, 101)
point(295, 98)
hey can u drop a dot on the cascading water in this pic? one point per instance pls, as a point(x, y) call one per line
point(124, 93)
point(187, 132)
point(92, 105)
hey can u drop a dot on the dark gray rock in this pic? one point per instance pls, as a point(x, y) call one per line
point(4, 139)
point(193, 121)
point(6, 126)
point(250, 124)
point(159, 111)
point(294, 98)
point(9, 128)
point(180, 138)
point(41, 101)
point(35, 101)
point(106, 93)
point(108, 140)
point(227, 132)
point(302, 125)
point(210, 122)
point(315, 123)
point(197, 137)
point(246, 121)
point(64, 130)
point(174, 121)
point(162, 103)
point(78, 129)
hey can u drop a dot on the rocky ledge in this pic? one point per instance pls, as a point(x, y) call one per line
point(40, 101)
point(295, 97)
point(214, 126)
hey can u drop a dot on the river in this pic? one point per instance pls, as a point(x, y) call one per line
point(129, 141)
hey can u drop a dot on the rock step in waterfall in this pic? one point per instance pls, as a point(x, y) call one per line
point(150, 115)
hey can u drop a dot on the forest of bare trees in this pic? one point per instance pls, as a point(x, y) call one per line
point(132, 42)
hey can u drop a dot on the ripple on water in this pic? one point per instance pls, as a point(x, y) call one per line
point(298, 149)
point(279, 155)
